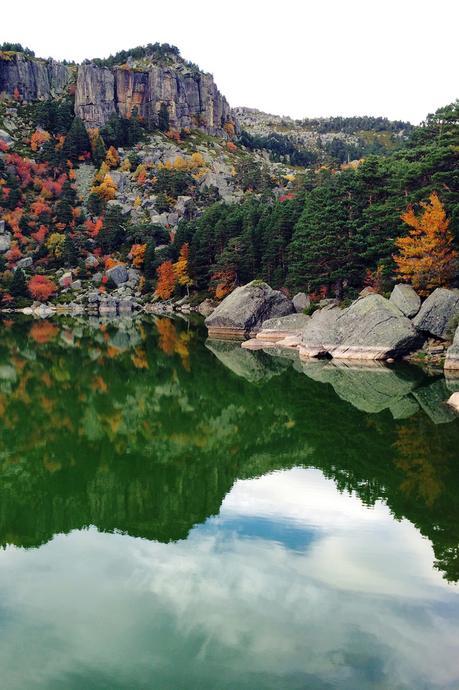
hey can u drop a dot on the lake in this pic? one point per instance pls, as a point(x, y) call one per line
point(177, 513)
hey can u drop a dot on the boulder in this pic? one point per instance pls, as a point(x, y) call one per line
point(246, 308)
point(452, 354)
point(5, 241)
point(406, 299)
point(91, 261)
point(7, 138)
point(245, 364)
point(119, 274)
point(282, 327)
point(66, 279)
point(301, 302)
point(453, 401)
point(371, 328)
point(438, 313)
point(206, 308)
point(26, 262)
point(320, 337)
point(374, 328)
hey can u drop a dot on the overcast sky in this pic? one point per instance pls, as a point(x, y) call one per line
point(396, 58)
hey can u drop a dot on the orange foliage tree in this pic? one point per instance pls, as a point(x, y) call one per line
point(166, 280)
point(138, 254)
point(426, 256)
point(41, 288)
point(38, 138)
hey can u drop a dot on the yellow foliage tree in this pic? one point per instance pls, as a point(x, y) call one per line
point(112, 158)
point(181, 267)
point(426, 256)
point(102, 172)
point(106, 189)
point(55, 244)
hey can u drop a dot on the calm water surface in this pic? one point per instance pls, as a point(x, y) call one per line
point(182, 514)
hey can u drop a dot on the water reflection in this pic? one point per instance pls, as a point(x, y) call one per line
point(139, 426)
point(292, 585)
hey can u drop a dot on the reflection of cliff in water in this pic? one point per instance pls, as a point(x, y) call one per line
point(139, 427)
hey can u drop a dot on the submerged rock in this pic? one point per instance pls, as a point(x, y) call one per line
point(452, 354)
point(438, 313)
point(406, 299)
point(245, 310)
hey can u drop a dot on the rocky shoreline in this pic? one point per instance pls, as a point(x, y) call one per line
point(371, 329)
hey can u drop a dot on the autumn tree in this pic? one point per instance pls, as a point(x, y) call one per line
point(426, 256)
point(166, 280)
point(41, 288)
point(181, 269)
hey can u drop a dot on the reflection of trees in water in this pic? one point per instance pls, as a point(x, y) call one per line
point(141, 428)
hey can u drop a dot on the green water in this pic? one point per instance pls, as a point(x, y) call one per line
point(182, 514)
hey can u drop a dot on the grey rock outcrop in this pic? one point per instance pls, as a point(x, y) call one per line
point(406, 299)
point(95, 95)
point(371, 328)
point(246, 308)
point(438, 313)
point(452, 354)
point(34, 79)
point(192, 98)
point(118, 274)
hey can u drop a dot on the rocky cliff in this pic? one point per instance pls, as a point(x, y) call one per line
point(32, 79)
point(192, 97)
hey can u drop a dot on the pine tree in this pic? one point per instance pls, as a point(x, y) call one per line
point(69, 251)
point(98, 151)
point(18, 287)
point(76, 141)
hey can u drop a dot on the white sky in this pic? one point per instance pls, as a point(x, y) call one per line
point(396, 58)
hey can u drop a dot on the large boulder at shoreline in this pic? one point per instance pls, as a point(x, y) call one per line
point(452, 354)
point(374, 328)
point(371, 328)
point(246, 308)
point(438, 313)
point(282, 327)
point(301, 302)
point(320, 335)
point(406, 299)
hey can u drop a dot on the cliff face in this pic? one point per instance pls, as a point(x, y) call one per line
point(192, 98)
point(34, 79)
